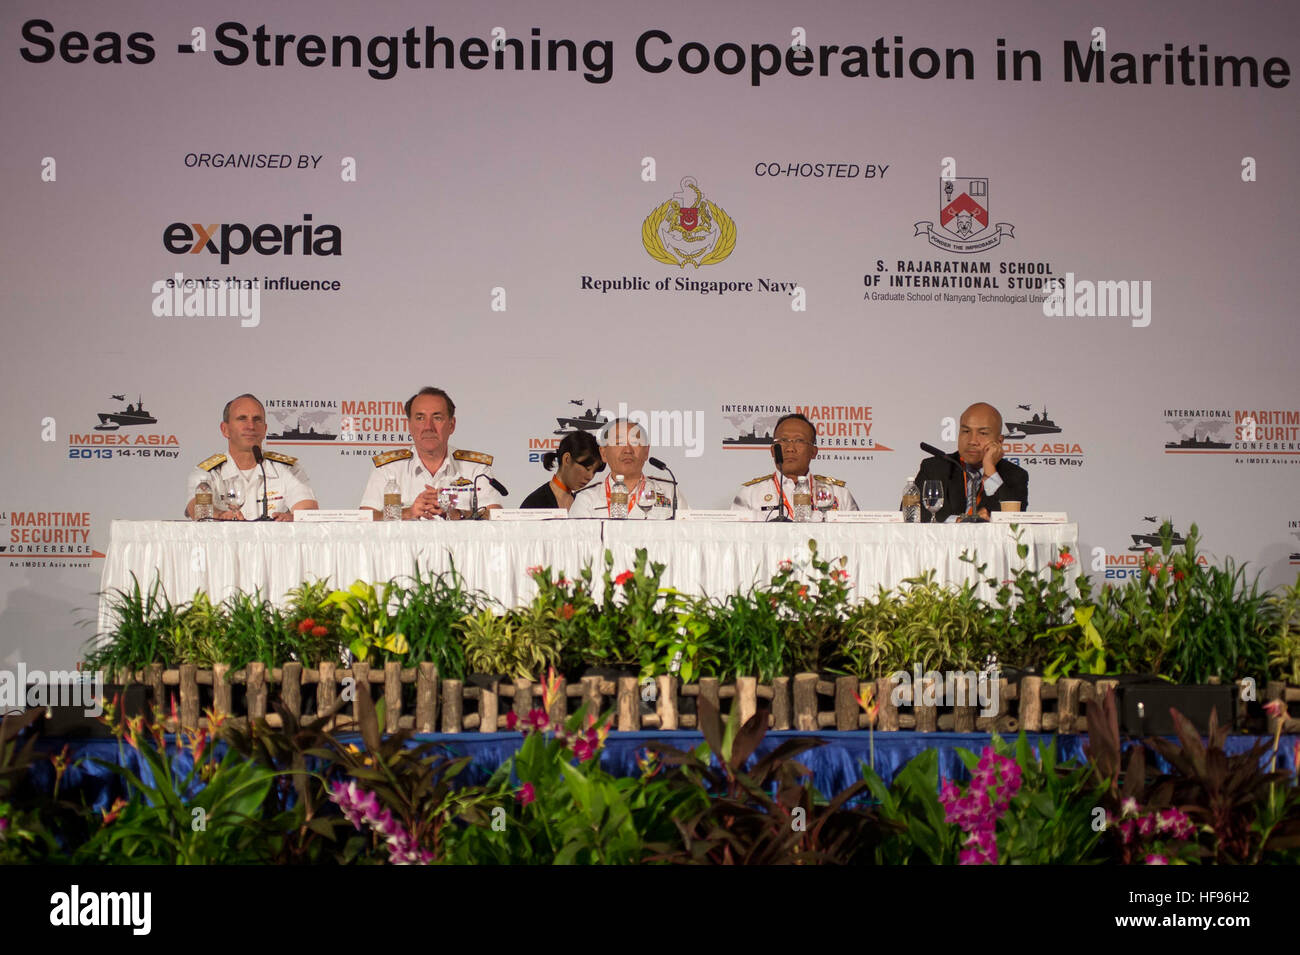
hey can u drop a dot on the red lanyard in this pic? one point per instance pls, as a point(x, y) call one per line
point(776, 479)
point(631, 498)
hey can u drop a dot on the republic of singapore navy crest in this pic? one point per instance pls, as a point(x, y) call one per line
point(689, 228)
point(964, 218)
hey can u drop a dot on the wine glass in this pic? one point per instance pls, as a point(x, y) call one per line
point(823, 497)
point(932, 496)
point(647, 499)
point(232, 496)
point(447, 501)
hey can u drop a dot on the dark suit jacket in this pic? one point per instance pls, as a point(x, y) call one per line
point(1015, 486)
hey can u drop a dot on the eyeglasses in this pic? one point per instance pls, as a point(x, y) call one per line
point(792, 442)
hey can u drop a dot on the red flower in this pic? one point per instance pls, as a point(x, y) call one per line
point(840, 575)
point(567, 611)
point(803, 591)
point(512, 720)
point(110, 815)
point(1179, 575)
point(306, 625)
point(318, 631)
point(1064, 561)
point(526, 795)
point(624, 577)
point(583, 750)
point(534, 570)
point(538, 719)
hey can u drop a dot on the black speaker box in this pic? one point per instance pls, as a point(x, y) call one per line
point(1144, 707)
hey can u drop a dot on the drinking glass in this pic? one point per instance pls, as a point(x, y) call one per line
point(647, 499)
point(232, 496)
point(823, 497)
point(932, 497)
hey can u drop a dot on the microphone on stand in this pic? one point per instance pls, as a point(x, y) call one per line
point(257, 456)
point(781, 516)
point(473, 496)
point(656, 463)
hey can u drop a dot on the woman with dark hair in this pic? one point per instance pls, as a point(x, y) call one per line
point(578, 459)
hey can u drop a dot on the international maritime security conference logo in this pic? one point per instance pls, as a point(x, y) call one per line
point(964, 218)
point(688, 228)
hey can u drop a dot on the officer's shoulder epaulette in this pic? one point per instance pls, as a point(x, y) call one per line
point(829, 480)
point(478, 457)
point(213, 462)
point(288, 459)
point(758, 480)
point(388, 457)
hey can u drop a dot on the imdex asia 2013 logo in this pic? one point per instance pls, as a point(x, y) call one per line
point(125, 430)
point(1031, 440)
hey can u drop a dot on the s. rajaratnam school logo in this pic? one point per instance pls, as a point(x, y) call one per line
point(964, 218)
point(688, 228)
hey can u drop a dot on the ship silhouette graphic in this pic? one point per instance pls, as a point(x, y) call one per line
point(590, 419)
point(1037, 424)
point(297, 434)
point(133, 414)
point(1143, 541)
point(1197, 442)
point(751, 438)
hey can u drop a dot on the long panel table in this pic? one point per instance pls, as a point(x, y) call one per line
point(714, 558)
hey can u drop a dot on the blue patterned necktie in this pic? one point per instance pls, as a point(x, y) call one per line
point(973, 481)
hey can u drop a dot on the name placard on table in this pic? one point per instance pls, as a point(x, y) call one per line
point(1028, 517)
point(864, 517)
point(322, 515)
point(527, 513)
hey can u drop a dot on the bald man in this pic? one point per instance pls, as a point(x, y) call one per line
point(975, 478)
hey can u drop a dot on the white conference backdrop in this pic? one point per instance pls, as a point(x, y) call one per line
point(482, 198)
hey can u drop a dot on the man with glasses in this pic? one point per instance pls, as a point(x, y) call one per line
point(625, 449)
point(770, 495)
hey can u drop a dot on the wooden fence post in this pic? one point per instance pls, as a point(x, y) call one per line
point(781, 714)
point(255, 697)
point(426, 698)
point(747, 696)
point(489, 704)
point(1031, 704)
point(291, 689)
point(846, 707)
point(189, 696)
point(805, 701)
point(221, 690)
point(453, 703)
point(1067, 704)
point(629, 704)
point(887, 717)
point(667, 702)
point(392, 695)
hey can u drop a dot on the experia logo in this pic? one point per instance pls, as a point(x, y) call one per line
point(236, 238)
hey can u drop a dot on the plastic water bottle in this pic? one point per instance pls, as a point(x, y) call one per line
point(911, 502)
point(203, 502)
point(618, 499)
point(392, 501)
point(802, 500)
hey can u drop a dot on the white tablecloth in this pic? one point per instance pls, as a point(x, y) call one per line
point(701, 557)
point(722, 558)
point(223, 557)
